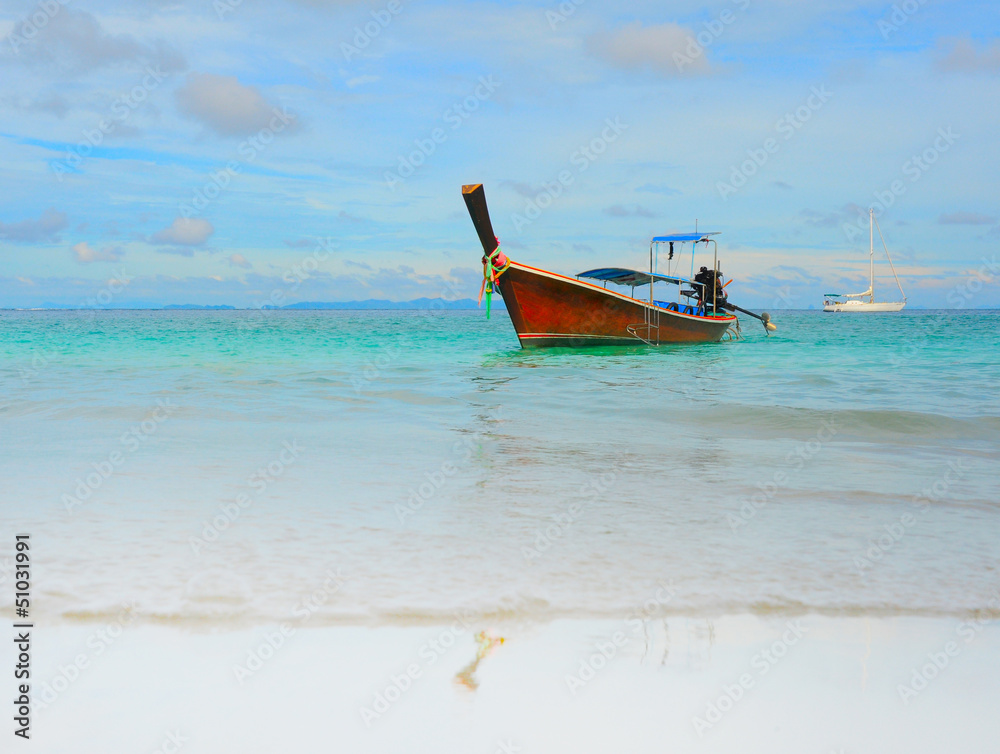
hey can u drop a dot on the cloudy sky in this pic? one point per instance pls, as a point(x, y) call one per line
point(237, 151)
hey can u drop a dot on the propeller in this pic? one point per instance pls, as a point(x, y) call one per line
point(764, 317)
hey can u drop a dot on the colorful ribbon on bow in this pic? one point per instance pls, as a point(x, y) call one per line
point(494, 265)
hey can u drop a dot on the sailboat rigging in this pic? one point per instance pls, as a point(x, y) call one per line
point(855, 302)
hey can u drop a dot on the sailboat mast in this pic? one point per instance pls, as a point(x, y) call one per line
point(871, 253)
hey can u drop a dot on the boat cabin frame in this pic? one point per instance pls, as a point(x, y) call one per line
point(697, 303)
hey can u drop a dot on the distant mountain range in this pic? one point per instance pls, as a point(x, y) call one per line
point(197, 306)
point(371, 303)
point(375, 303)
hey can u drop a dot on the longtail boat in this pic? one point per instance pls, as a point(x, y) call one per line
point(552, 310)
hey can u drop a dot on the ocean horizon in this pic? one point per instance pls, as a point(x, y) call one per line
point(409, 305)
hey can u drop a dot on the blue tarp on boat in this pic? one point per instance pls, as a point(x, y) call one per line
point(679, 237)
point(622, 276)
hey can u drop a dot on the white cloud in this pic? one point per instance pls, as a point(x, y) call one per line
point(185, 231)
point(45, 228)
point(85, 253)
point(359, 80)
point(617, 210)
point(667, 49)
point(224, 104)
point(962, 56)
point(238, 260)
point(75, 40)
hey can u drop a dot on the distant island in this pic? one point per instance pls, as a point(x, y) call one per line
point(375, 303)
point(371, 303)
point(197, 306)
point(422, 304)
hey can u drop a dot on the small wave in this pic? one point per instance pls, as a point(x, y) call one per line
point(539, 614)
point(872, 425)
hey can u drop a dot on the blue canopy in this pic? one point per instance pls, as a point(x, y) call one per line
point(622, 276)
point(683, 237)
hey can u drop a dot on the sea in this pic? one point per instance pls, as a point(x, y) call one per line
point(220, 469)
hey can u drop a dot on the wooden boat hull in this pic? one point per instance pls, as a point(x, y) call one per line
point(551, 310)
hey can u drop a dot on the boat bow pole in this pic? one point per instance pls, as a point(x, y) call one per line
point(764, 317)
point(494, 260)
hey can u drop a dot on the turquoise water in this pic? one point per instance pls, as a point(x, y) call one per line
point(213, 466)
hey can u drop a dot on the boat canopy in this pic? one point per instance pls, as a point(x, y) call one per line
point(622, 276)
point(680, 237)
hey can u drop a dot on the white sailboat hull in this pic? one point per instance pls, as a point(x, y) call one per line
point(864, 306)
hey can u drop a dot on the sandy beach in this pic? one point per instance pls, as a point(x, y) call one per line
point(748, 683)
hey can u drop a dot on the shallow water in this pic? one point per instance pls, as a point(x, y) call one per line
point(445, 470)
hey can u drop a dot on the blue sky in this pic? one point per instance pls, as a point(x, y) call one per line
point(227, 152)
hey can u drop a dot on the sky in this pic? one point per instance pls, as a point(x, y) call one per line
point(245, 153)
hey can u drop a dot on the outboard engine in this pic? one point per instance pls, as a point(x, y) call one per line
point(711, 280)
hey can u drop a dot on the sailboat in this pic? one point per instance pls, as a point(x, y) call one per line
point(855, 302)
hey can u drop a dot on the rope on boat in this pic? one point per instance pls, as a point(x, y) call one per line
point(494, 265)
